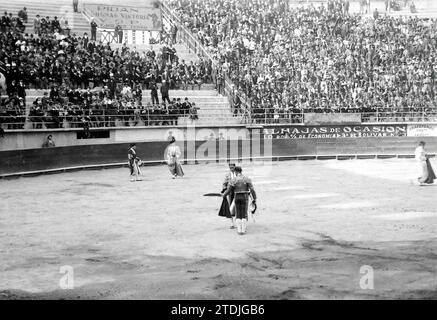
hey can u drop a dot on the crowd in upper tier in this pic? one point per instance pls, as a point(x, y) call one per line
point(286, 58)
point(52, 58)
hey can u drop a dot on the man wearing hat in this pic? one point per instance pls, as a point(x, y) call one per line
point(164, 91)
point(23, 14)
point(37, 25)
point(118, 33)
point(133, 163)
point(154, 93)
point(242, 187)
point(55, 25)
point(5, 23)
point(93, 29)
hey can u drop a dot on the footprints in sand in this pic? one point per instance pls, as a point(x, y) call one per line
point(315, 195)
point(407, 215)
point(350, 205)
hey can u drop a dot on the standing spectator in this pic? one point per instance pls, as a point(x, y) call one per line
point(93, 30)
point(154, 93)
point(362, 6)
point(164, 91)
point(85, 40)
point(346, 7)
point(37, 25)
point(387, 5)
point(75, 5)
point(126, 91)
point(220, 82)
point(5, 23)
point(21, 90)
point(413, 7)
point(65, 28)
point(23, 14)
point(49, 143)
point(193, 112)
point(174, 31)
point(118, 34)
point(45, 25)
point(2, 83)
point(55, 26)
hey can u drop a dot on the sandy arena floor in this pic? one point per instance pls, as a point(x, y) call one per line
point(318, 223)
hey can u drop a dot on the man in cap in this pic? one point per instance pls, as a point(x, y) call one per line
point(242, 187)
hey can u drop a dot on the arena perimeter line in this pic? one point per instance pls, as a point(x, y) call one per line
point(360, 156)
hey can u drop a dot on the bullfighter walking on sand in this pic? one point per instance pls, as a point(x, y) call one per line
point(242, 187)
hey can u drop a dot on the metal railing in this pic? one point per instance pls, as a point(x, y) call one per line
point(269, 116)
point(147, 118)
point(114, 118)
point(392, 116)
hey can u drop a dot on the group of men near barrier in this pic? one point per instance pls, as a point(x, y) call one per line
point(236, 192)
point(173, 153)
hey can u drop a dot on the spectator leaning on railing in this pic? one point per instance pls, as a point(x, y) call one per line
point(79, 108)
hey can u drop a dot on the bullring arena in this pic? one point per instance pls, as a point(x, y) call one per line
point(341, 212)
point(317, 224)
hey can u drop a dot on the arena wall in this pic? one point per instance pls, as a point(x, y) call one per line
point(248, 143)
point(33, 139)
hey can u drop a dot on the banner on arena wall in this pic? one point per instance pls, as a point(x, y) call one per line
point(334, 131)
point(332, 118)
point(422, 130)
point(128, 17)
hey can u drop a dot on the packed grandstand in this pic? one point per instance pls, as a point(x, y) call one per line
point(276, 62)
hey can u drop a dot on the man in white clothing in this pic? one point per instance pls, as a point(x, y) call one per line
point(420, 156)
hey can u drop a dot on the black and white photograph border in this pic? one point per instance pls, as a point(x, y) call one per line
point(159, 150)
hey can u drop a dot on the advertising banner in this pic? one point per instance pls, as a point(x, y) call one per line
point(422, 130)
point(128, 17)
point(332, 118)
point(334, 131)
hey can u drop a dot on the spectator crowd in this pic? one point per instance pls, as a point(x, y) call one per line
point(52, 58)
point(287, 59)
point(283, 59)
point(65, 107)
